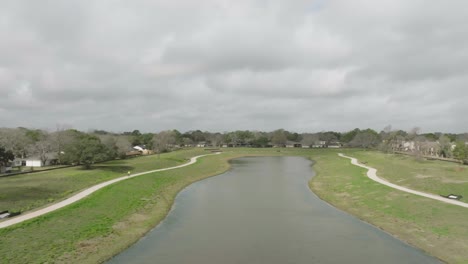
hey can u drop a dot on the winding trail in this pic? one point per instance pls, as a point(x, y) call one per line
point(372, 174)
point(86, 192)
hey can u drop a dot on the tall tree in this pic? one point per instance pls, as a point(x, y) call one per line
point(445, 146)
point(87, 150)
point(460, 152)
point(278, 137)
point(309, 139)
point(5, 156)
point(15, 140)
point(43, 147)
point(365, 139)
point(348, 136)
point(163, 140)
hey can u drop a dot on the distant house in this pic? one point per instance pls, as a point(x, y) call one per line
point(279, 145)
point(319, 144)
point(335, 144)
point(36, 161)
point(409, 146)
point(292, 144)
point(139, 148)
point(202, 144)
point(142, 150)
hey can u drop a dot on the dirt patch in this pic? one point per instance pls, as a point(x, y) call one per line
point(445, 180)
point(421, 176)
point(135, 218)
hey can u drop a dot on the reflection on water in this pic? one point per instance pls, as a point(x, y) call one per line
point(262, 211)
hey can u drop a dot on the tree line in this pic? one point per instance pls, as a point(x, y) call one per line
point(70, 146)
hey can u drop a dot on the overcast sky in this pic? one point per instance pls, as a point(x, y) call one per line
point(223, 65)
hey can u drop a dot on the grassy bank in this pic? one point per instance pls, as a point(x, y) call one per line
point(29, 191)
point(438, 228)
point(433, 176)
point(101, 225)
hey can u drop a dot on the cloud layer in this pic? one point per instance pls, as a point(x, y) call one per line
point(224, 65)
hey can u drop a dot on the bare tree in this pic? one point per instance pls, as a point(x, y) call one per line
point(445, 146)
point(43, 147)
point(163, 140)
point(15, 140)
point(309, 139)
point(365, 139)
point(216, 139)
point(278, 137)
point(61, 138)
point(413, 133)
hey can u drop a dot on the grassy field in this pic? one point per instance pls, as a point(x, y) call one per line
point(103, 224)
point(29, 191)
point(27, 169)
point(433, 176)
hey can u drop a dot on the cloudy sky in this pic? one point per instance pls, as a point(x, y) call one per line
point(222, 65)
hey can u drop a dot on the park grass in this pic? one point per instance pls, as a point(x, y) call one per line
point(29, 169)
point(96, 228)
point(30, 191)
point(432, 176)
point(438, 228)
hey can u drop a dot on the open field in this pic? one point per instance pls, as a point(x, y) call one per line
point(29, 191)
point(433, 176)
point(28, 169)
point(101, 225)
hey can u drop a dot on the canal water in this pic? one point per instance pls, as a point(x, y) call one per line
point(262, 211)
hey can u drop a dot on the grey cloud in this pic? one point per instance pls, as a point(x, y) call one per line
point(223, 65)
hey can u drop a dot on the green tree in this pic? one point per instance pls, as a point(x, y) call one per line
point(278, 137)
point(445, 146)
point(5, 156)
point(35, 135)
point(460, 152)
point(147, 140)
point(86, 151)
point(293, 136)
point(348, 136)
point(261, 141)
point(365, 139)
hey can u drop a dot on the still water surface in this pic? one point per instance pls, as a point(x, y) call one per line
point(262, 211)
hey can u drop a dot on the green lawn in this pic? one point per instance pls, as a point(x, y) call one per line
point(108, 221)
point(29, 191)
point(433, 176)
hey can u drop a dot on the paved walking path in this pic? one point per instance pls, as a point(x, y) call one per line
point(372, 174)
point(87, 192)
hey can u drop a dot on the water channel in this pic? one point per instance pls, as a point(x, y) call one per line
point(262, 211)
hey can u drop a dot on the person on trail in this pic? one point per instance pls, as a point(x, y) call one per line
point(128, 173)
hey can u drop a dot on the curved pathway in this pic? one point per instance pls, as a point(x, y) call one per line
point(372, 174)
point(87, 192)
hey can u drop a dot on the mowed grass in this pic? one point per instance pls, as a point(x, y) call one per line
point(29, 191)
point(433, 176)
point(105, 223)
point(438, 228)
